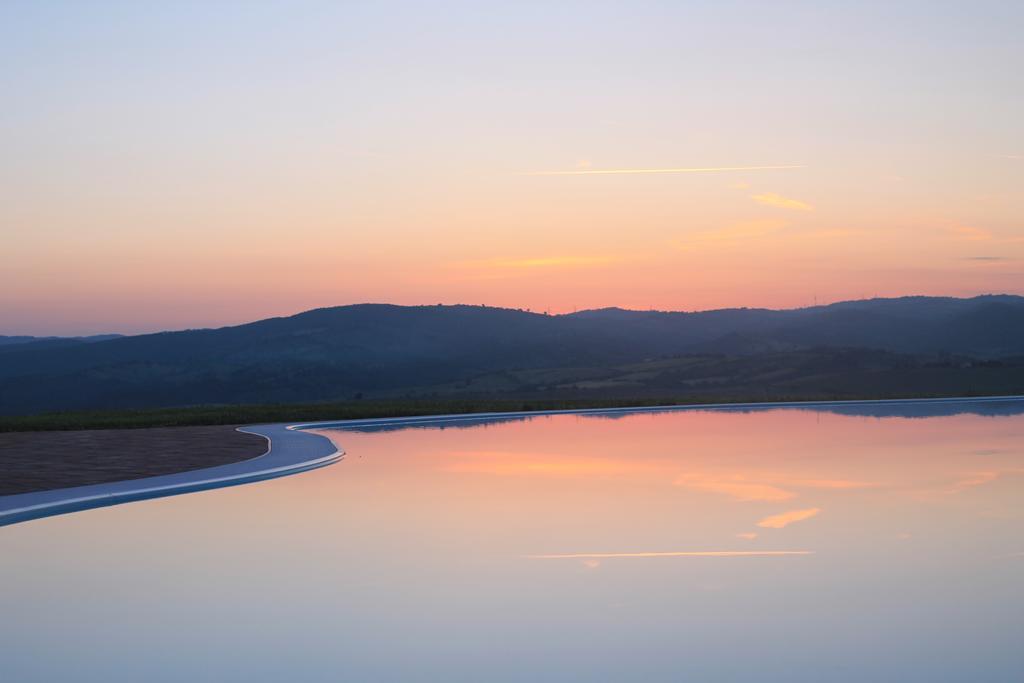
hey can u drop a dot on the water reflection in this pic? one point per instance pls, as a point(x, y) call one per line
point(879, 544)
point(680, 553)
point(747, 465)
point(895, 408)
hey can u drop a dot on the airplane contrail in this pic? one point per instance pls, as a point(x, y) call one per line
point(631, 171)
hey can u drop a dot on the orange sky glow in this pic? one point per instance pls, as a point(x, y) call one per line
point(157, 177)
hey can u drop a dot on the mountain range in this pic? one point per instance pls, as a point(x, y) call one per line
point(381, 350)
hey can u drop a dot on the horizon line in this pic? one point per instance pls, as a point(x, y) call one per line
point(508, 308)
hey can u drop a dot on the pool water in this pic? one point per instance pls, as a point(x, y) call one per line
point(790, 544)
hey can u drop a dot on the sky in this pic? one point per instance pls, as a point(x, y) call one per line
point(193, 164)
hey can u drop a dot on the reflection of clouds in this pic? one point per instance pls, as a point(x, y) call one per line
point(680, 553)
point(786, 518)
point(766, 487)
point(742, 481)
point(981, 478)
point(736, 488)
point(591, 564)
point(966, 482)
point(972, 480)
point(1010, 556)
point(543, 464)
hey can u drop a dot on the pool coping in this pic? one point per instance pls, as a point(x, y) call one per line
point(290, 451)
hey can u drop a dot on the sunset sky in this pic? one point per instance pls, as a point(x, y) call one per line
point(197, 164)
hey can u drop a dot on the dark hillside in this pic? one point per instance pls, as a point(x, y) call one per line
point(385, 350)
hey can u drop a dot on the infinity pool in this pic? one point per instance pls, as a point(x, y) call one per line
point(831, 544)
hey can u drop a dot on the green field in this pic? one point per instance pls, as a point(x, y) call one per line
point(808, 375)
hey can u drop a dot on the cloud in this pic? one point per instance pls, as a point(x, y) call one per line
point(985, 258)
point(639, 171)
point(831, 483)
point(556, 261)
point(832, 233)
point(682, 553)
point(786, 518)
point(777, 200)
point(543, 262)
point(968, 232)
point(736, 233)
point(748, 535)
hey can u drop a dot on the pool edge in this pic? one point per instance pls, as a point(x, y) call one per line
point(37, 505)
point(40, 504)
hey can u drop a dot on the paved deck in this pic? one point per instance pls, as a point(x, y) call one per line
point(59, 459)
point(290, 451)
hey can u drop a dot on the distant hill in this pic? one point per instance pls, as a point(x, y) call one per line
point(985, 326)
point(8, 342)
point(379, 350)
point(23, 339)
point(5, 341)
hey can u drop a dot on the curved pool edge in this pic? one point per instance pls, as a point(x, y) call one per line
point(289, 451)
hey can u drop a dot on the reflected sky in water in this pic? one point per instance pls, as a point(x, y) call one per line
point(840, 544)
